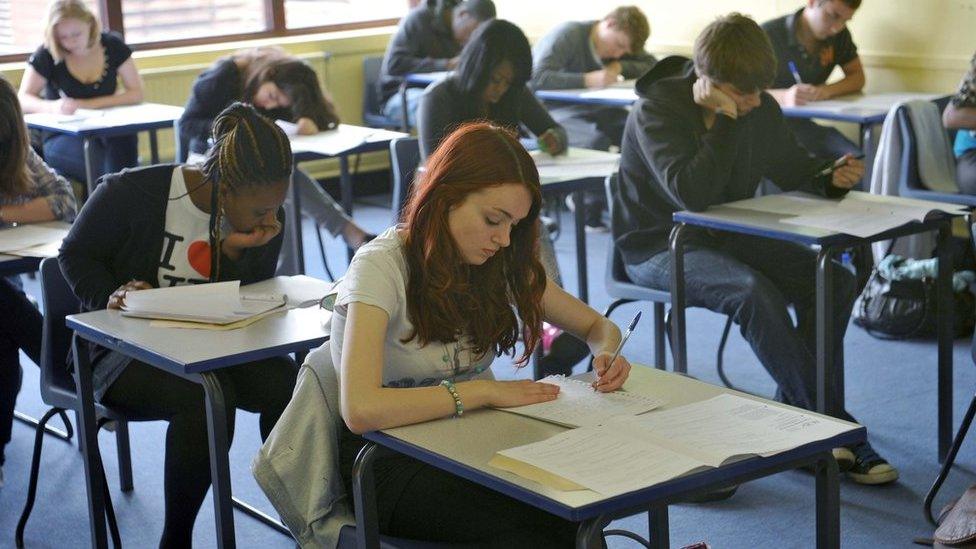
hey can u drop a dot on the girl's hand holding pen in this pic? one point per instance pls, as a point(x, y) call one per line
point(610, 377)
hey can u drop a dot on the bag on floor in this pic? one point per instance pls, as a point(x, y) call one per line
point(908, 308)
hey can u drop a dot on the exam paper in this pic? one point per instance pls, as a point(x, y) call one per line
point(216, 303)
point(579, 404)
point(714, 430)
point(339, 140)
point(575, 164)
point(602, 460)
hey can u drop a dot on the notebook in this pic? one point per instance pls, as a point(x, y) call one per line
point(214, 303)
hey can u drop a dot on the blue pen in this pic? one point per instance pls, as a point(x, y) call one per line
point(630, 330)
point(794, 72)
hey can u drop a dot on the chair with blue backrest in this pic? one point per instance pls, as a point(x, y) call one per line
point(372, 106)
point(910, 180)
point(58, 387)
point(404, 159)
point(622, 290)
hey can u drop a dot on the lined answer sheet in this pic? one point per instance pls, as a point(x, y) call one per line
point(727, 425)
point(580, 405)
point(601, 460)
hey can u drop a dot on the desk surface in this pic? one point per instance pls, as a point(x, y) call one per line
point(464, 446)
point(859, 108)
point(770, 224)
point(185, 351)
point(113, 120)
point(345, 139)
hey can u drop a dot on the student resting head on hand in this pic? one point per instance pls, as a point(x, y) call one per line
point(171, 225)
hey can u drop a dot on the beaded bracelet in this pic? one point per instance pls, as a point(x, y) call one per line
point(458, 407)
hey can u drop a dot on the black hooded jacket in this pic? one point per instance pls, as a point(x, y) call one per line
point(671, 162)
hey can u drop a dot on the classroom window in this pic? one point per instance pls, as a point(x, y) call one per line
point(22, 24)
point(159, 20)
point(319, 13)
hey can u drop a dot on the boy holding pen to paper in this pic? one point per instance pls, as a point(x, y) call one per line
point(808, 44)
point(704, 133)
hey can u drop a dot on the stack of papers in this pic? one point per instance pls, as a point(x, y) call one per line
point(215, 303)
point(84, 119)
point(631, 452)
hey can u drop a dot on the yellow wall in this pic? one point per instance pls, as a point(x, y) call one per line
point(912, 45)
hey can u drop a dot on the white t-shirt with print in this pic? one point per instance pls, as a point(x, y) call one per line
point(378, 276)
point(185, 258)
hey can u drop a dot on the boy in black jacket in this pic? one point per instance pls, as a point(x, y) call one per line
point(703, 133)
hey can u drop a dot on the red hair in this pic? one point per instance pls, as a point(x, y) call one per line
point(445, 295)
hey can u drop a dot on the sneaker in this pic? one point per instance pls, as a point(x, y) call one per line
point(869, 467)
point(844, 458)
point(596, 227)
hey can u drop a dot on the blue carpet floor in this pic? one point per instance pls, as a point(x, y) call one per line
point(890, 389)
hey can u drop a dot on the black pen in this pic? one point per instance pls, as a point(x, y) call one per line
point(623, 340)
point(833, 167)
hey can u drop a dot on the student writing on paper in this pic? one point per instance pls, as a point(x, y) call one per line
point(78, 67)
point(592, 54)
point(490, 84)
point(170, 225)
point(960, 114)
point(30, 192)
point(428, 39)
point(281, 87)
point(420, 316)
point(703, 133)
point(808, 44)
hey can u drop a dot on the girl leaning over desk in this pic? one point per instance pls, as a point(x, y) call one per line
point(170, 225)
point(281, 87)
point(421, 314)
point(30, 192)
point(78, 67)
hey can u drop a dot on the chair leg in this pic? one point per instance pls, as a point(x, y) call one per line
point(325, 261)
point(950, 459)
point(720, 356)
point(34, 472)
point(613, 306)
point(109, 509)
point(125, 456)
point(53, 431)
point(660, 359)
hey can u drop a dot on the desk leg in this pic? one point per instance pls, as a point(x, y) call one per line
point(88, 437)
point(364, 498)
point(219, 460)
point(89, 167)
point(829, 374)
point(405, 116)
point(345, 190)
point(945, 324)
point(581, 274)
point(867, 147)
point(589, 535)
point(297, 246)
point(828, 503)
point(658, 530)
point(153, 147)
point(679, 347)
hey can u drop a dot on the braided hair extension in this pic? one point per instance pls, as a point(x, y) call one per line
point(249, 150)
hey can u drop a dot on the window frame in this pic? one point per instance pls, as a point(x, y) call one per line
point(110, 14)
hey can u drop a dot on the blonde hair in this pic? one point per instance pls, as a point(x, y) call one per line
point(59, 10)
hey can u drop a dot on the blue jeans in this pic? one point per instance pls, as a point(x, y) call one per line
point(755, 280)
point(66, 154)
point(394, 106)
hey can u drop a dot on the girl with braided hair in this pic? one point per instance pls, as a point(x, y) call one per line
point(169, 225)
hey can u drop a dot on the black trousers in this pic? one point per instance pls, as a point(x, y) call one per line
point(20, 328)
point(420, 502)
point(146, 393)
